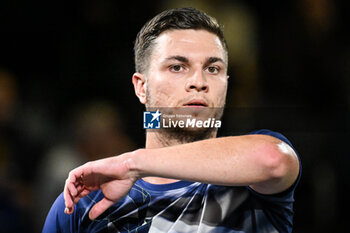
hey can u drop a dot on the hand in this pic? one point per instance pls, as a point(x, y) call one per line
point(112, 175)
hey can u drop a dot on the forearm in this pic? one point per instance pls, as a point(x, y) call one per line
point(242, 160)
point(263, 162)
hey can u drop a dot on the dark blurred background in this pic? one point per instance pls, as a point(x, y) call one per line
point(66, 94)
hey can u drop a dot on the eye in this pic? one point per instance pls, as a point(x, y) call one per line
point(176, 68)
point(213, 69)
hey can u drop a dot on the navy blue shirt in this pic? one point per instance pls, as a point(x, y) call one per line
point(182, 207)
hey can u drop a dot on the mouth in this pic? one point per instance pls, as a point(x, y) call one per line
point(196, 104)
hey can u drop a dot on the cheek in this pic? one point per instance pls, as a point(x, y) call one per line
point(220, 91)
point(161, 93)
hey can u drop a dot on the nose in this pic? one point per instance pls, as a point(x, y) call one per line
point(197, 83)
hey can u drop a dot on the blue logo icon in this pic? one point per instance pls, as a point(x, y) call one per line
point(151, 120)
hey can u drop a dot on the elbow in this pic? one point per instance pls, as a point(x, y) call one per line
point(277, 160)
point(279, 167)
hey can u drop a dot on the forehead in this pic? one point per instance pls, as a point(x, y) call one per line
point(189, 43)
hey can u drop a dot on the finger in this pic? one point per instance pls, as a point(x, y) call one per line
point(69, 189)
point(69, 210)
point(99, 208)
point(81, 195)
point(84, 192)
point(70, 192)
point(72, 189)
point(68, 200)
point(79, 187)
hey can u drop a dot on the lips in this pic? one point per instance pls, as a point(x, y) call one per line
point(196, 103)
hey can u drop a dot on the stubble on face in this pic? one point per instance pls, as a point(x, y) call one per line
point(179, 135)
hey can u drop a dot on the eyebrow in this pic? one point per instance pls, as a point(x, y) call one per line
point(178, 58)
point(209, 60)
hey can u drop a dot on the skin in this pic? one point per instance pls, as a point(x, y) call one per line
point(186, 65)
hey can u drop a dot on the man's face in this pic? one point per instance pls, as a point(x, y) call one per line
point(188, 68)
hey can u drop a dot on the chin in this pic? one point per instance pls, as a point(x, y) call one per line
point(186, 135)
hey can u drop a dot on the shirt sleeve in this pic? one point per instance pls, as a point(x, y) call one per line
point(57, 220)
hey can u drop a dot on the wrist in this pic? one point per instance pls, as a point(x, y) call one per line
point(133, 163)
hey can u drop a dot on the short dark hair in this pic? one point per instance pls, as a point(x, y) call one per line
point(179, 18)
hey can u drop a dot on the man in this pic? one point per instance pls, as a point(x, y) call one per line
point(185, 180)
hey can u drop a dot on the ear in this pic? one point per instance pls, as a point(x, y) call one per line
point(139, 81)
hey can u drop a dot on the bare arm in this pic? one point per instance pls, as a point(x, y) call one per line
point(265, 163)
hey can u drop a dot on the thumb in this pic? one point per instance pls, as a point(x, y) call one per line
point(99, 208)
